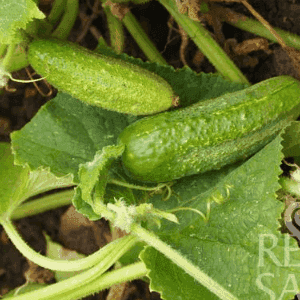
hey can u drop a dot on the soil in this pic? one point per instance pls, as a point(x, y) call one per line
point(22, 101)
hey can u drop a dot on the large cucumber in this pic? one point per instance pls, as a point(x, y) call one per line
point(210, 134)
point(100, 80)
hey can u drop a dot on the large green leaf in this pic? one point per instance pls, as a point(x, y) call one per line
point(64, 134)
point(18, 183)
point(16, 15)
point(240, 247)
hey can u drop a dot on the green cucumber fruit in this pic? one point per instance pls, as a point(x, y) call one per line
point(100, 80)
point(209, 134)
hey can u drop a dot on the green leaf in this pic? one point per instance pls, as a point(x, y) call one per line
point(18, 183)
point(12, 180)
point(240, 246)
point(64, 134)
point(95, 173)
point(16, 15)
point(169, 280)
point(112, 192)
point(83, 207)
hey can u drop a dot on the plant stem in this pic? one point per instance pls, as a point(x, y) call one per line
point(127, 273)
point(116, 32)
point(56, 11)
point(81, 281)
point(3, 48)
point(142, 39)
point(210, 48)
point(6, 62)
point(18, 62)
point(43, 204)
point(259, 29)
point(13, 60)
point(136, 187)
point(189, 267)
point(66, 24)
point(62, 265)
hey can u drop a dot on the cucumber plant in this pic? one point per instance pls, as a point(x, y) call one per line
point(189, 250)
point(68, 126)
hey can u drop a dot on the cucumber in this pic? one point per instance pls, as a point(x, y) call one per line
point(100, 80)
point(209, 134)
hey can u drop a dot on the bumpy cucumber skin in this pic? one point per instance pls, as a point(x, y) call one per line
point(100, 80)
point(210, 134)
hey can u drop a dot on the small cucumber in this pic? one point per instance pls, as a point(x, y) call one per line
point(210, 134)
point(100, 80)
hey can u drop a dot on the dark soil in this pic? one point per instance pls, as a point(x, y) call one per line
point(19, 106)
